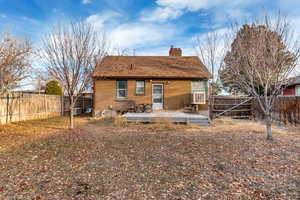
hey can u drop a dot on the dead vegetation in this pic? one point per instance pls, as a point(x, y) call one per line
point(15, 134)
point(107, 159)
point(228, 125)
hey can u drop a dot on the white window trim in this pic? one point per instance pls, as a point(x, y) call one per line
point(202, 89)
point(118, 89)
point(136, 87)
point(163, 101)
point(195, 94)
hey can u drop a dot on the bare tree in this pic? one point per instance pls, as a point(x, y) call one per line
point(39, 79)
point(261, 59)
point(14, 62)
point(210, 48)
point(118, 51)
point(70, 54)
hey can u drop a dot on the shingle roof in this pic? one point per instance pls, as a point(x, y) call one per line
point(183, 67)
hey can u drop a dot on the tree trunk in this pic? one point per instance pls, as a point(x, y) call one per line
point(71, 112)
point(269, 127)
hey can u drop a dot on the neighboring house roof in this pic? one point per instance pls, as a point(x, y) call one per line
point(182, 67)
point(294, 81)
point(30, 91)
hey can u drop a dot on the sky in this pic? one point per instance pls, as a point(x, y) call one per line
point(147, 27)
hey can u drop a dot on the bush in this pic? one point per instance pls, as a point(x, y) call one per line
point(53, 88)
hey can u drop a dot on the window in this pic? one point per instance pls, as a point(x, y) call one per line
point(297, 90)
point(121, 89)
point(140, 87)
point(199, 92)
point(199, 98)
point(198, 86)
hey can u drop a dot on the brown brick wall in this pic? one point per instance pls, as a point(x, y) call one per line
point(289, 91)
point(176, 94)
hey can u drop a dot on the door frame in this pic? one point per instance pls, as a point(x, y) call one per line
point(161, 94)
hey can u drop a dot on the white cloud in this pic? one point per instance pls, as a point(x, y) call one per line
point(86, 1)
point(161, 14)
point(99, 20)
point(172, 9)
point(132, 35)
point(288, 7)
point(156, 51)
point(295, 24)
point(228, 15)
point(187, 4)
point(141, 35)
point(30, 20)
point(194, 5)
point(164, 51)
point(151, 38)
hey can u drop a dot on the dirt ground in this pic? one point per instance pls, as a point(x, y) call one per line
point(106, 159)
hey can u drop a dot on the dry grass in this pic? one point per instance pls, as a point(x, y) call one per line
point(166, 124)
point(18, 133)
point(120, 121)
point(117, 121)
point(220, 125)
point(107, 159)
point(228, 125)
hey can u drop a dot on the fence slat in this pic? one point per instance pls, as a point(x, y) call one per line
point(237, 107)
point(19, 107)
point(286, 109)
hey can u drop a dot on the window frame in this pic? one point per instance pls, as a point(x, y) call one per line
point(297, 88)
point(203, 89)
point(136, 87)
point(199, 89)
point(118, 89)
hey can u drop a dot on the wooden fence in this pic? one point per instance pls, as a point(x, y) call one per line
point(83, 104)
point(20, 107)
point(235, 107)
point(286, 109)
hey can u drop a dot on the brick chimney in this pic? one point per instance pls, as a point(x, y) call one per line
point(175, 51)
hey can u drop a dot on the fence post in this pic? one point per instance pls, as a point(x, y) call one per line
point(83, 104)
point(252, 110)
point(45, 103)
point(19, 100)
point(62, 104)
point(7, 107)
point(211, 102)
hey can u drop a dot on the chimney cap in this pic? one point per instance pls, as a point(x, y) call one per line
point(177, 52)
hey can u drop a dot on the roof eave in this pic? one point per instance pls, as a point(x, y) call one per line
point(149, 77)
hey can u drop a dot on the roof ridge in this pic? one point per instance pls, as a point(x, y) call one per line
point(153, 56)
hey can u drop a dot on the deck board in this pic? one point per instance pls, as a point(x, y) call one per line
point(175, 117)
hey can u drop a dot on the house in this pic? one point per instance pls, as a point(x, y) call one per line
point(166, 82)
point(293, 87)
point(30, 91)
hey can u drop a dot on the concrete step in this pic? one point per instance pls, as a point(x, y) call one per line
point(200, 122)
point(197, 121)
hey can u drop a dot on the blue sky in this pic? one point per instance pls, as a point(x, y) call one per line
point(147, 26)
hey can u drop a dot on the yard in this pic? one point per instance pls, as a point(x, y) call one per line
point(106, 159)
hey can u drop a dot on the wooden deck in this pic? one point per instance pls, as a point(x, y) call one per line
point(175, 117)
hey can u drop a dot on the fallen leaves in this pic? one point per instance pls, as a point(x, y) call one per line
point(140, 162)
